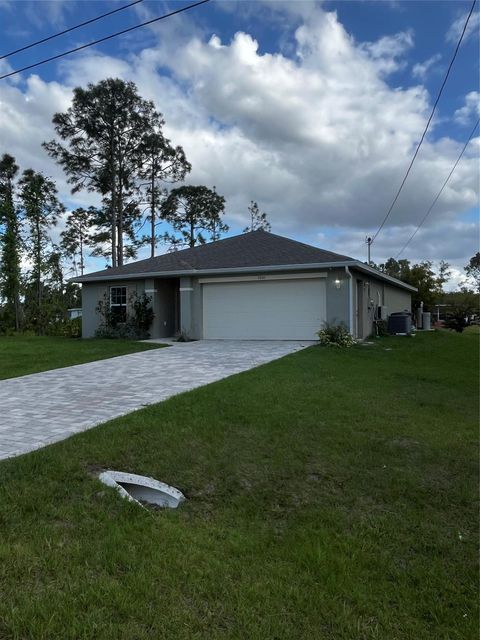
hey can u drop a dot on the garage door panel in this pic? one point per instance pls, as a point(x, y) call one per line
point(275, 310)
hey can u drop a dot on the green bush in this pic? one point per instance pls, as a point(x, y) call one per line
point(380, 329)
point(182, 336)
point(139, 319)
point(142, 316)
point(456, 321)
point(335, 335)
point(125, 331)
point(65, 328)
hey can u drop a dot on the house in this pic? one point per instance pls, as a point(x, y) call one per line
point(254, 286)
point(73, 313)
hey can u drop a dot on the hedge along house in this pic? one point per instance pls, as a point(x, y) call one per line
point(254, 286)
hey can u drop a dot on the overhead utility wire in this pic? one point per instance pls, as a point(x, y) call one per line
point(113, 35)
point(439, 193)
point(428, 124)
point(61, 33)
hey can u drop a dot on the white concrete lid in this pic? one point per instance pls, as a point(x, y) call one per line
point(142, 488)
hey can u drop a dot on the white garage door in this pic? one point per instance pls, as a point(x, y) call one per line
point(264, 310)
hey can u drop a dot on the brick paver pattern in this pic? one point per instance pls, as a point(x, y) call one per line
point(42, 408)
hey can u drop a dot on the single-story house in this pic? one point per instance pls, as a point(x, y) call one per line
point(254, 286)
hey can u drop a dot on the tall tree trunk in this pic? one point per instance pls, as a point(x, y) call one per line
point(12, 231)
point(120, 217)
point(152, 212)
point(81, 252)
point(113, 198)
point(192, 234)
point(38, 268)
point(18, 323)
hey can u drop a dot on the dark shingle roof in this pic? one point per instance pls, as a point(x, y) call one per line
point(249, 250)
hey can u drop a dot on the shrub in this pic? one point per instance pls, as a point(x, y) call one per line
point(139, 319)
point(380, 329)
point(142, 316)
point(456, 321)
point(335, 335)
point(182, 336)
point(125, 331)
point(66, 328)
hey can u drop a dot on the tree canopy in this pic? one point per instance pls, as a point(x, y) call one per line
point(161, 163)
point(473, 271)
point(194, 212)
point(110, 139)
point(420, 275)
point(10, 242)
point(41, 209)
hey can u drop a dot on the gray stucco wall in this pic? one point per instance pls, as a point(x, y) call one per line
point(338, 297)
point(162, 293)
point(368, 293)
point(93, 293)
point(191, 307)
point(197, 310)
point(397, 299)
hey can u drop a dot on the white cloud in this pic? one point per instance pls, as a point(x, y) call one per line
point(388, 51)
point(319, 139)
point(455, 30)
point(454, 242)
point(470, 110)
point(422, 69)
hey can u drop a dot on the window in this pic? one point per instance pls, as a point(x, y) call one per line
point(118, 304)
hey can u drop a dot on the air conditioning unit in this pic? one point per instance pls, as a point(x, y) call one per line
point(382, 312)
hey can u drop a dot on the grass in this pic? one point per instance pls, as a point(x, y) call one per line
point(331, 495)
point(20, 355)
point(473, 328)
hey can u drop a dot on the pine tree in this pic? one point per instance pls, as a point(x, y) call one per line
point(192, 211)
point(41, 209)
point(162, 163)
point(103, 135)
point(473, 270)
point(258, 221)
point(76, 237)
point(10, 244)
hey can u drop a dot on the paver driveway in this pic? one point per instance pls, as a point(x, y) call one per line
point(41, 408)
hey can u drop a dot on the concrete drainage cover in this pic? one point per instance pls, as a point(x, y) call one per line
point(141, 489)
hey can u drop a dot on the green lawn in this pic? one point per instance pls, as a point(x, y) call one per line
point(331, 494)
point(20, 355)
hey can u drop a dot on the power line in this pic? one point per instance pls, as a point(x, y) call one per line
point(428, 123)
point(61, 33)
point(113, 35)
point(439, 193)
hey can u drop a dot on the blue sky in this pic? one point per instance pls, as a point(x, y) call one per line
point(312, 109)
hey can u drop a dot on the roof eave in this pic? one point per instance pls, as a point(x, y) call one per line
point(232, 270)
point(206, 272)
point(361, 266)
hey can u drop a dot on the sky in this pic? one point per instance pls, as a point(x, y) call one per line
point(311, 109)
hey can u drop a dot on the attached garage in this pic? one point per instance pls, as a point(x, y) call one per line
point(264, 308)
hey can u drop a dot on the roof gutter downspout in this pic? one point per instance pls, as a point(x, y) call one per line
point(350, 299)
